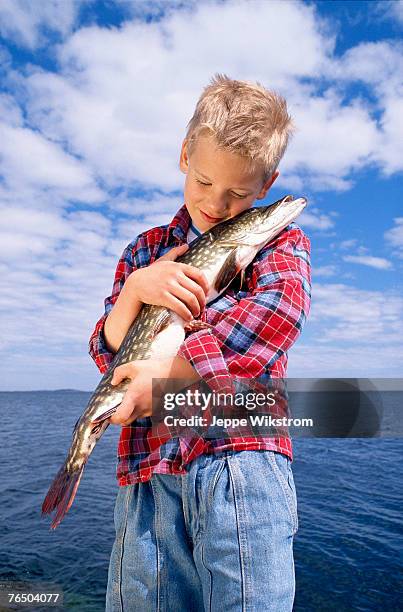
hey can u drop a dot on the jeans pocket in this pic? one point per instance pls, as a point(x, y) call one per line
point(221, 463)
point(281, 466)
point(206, 480)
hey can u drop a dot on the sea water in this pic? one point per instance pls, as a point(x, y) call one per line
point(348, 550)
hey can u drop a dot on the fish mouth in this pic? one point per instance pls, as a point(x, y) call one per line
point(210, 219)
point(281, 214)
point(287, 205)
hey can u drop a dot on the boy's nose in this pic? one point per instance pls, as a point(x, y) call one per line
point(216, 209)
point(215, 212)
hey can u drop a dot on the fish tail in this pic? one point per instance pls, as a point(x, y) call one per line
point(61, 493)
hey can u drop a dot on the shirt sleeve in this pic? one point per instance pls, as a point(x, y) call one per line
point(253, 333)
point(130, 260)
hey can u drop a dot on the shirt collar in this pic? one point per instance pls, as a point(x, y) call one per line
point(195, 230)
point(179, 226)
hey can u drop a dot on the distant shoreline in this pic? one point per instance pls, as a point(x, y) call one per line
point(47, 391)
point(294, 384)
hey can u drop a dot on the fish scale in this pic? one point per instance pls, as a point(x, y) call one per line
point(157, 332)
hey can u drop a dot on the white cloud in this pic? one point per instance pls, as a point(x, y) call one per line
point(379, 66)
point(10, 112)
point(37, 172)
point(25, 21)
point(354, 315)
point(110, 123)
point(121, 108)
point(350, 332)
point(57, 266)
point(347, 244)
point(377, 63)
point(380, 263)
point(55, 274)
point(339, 136)
point(345, 361)
point(390, 153)
point(390, 9)
point(315, 219)
point(113, 105)
point(329, 270)
point(394, 236)
point(396, 8)
point(314, 181)
point(28, 157)
point(157, 204)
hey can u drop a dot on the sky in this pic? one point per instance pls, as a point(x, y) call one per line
point(94, 102)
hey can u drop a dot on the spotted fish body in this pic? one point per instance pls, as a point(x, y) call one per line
point(157, 332)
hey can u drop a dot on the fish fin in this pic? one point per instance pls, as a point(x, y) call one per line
point(242, 279)
point(162, 322)
point(229, 243)
point(105, 415)
point(239, 281)
point(61, 493)
point(102, 417)
point(197, 325)
point(227, 272)
point(238, 243)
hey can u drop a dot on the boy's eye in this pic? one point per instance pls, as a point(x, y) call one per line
point(238, 195)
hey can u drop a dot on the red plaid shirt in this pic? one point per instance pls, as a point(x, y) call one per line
point(253, 329)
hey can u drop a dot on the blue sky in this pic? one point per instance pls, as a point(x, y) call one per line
point(94, 100)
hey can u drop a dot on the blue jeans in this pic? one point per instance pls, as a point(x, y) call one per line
point(219, 538)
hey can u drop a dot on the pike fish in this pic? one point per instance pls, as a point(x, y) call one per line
point(157, 332)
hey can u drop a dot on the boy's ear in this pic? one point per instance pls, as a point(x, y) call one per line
point(267, 185)
point(184, 158)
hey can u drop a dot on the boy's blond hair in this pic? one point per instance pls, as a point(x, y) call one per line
point(246, 119)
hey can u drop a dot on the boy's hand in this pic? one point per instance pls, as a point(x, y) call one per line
point(137, 402)
point(177, 286)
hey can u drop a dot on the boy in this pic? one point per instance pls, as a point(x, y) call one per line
point(209, 525)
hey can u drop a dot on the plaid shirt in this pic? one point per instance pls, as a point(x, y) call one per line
point(253, 329)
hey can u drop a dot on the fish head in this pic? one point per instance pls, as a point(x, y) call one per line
point(272, 219)
point(243, 236)
point(256, 226)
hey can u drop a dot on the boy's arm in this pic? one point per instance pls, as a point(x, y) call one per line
point(261, 327)
point(164, 282)
point(250, 336)
point(99, 349)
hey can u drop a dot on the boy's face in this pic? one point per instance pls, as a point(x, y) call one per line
point(218, 185)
